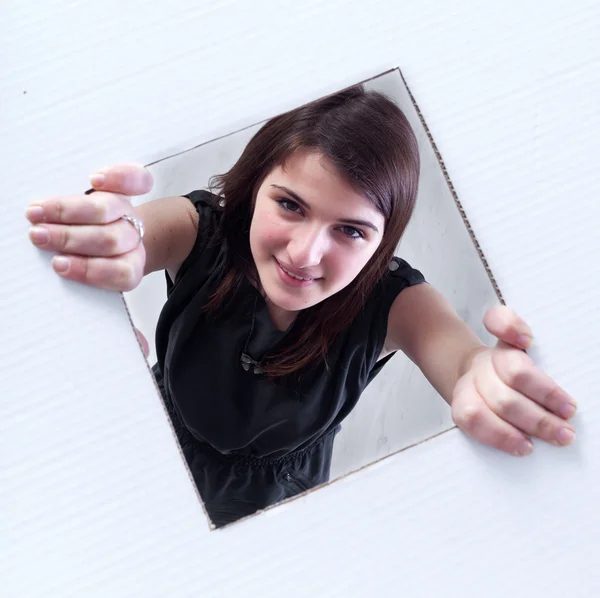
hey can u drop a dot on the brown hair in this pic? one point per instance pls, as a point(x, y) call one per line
point(370, 142)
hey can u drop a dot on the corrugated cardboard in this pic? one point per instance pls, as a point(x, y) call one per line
point(94, 497)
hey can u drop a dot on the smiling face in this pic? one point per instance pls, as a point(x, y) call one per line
point(311, 234)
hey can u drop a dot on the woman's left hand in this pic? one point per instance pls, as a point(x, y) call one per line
point(504, 399)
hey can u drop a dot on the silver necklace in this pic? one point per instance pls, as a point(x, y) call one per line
point(245, 359)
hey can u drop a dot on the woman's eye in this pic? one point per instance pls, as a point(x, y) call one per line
point(288, 205)
point(352, 232)
point(291, 206)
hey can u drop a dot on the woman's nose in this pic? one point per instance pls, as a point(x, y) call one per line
point(307, 247)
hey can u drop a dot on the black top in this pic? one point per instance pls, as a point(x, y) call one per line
point(239, 412)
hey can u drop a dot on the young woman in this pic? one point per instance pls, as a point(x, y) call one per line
point(285, 300)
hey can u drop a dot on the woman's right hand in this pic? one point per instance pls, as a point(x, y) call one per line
point(95, 246)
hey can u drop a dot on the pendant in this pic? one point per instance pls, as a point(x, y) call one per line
point(248, 362)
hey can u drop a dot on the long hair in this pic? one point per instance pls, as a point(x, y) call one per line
point(372, 146)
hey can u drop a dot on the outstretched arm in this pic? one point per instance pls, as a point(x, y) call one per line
point(497, 394)
point(423, 325)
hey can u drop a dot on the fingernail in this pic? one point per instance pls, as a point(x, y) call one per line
point(565, 436)
point(39, 235)
point(525, 447)
point(61, 263)
point(34, 213)
point(567, 410)
point(525, 340)
point(97, 179)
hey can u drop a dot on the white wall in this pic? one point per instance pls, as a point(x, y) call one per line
point(95, 499)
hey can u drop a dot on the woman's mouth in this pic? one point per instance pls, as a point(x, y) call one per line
point(293, 279)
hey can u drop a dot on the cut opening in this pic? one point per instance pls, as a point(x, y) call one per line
point(398, 408)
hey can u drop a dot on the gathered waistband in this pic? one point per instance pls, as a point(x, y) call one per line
point(256, 461)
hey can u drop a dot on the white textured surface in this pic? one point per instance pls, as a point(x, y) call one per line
point(94, 499)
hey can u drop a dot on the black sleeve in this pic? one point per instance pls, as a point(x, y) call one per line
point(208, 239)
point(400, 275)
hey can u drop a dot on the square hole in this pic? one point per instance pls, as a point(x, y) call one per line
point(397, 409)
